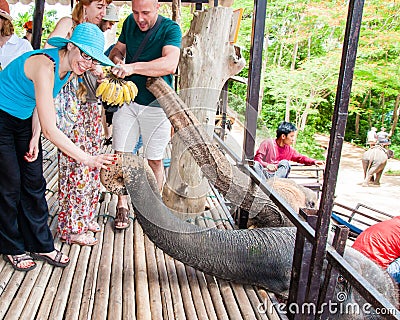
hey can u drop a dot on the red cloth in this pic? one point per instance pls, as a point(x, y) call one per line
point(270, 152)
point(380, 242)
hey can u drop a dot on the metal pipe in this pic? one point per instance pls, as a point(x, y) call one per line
point(253, 89)
point(340, 115)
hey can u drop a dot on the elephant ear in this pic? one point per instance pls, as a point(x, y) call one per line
point(390, 153)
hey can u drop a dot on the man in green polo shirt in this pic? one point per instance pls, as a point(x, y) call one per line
point(145, 117)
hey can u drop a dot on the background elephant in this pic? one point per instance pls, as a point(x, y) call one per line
point(374, 161)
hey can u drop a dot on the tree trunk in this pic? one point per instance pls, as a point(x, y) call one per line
point(294, 57)
point(292, 67)
point(280, 54)
point(395, 117)
point(303, 119)
point(176, 11)
point(208, 60)
point(383, 110)
point(357, 125)
point(287, 109)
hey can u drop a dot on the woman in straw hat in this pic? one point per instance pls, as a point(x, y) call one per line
point(27, 89)
point(10, 45)
point(78, 111)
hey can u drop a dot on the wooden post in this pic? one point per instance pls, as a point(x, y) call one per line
point(176, 11)
point(208, 60)
point(37, 23)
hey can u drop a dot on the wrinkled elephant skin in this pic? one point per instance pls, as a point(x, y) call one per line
point(374, 161)
point(261, 257)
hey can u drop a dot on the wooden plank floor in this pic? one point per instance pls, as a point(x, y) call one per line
point(123, 277)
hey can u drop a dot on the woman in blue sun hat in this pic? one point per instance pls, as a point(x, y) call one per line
point(27, 88)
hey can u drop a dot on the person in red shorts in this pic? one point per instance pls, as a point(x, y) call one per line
point(381, 244)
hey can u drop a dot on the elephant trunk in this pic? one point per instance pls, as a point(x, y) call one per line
point(260, 257)
point(232, 183)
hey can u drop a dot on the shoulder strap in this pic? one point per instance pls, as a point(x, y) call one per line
point(48, 56)
point(146, 38)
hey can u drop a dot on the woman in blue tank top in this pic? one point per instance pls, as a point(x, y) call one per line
point(28, 86)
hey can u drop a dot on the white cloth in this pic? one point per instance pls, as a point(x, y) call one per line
point(371, 136)
point(12, 49)
point(133, 120)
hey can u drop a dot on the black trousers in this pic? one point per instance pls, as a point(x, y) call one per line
point(23, 206)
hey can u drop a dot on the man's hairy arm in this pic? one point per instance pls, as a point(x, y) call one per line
point(162, 66)
point(117, 54)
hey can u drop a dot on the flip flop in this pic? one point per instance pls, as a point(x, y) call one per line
point(54, 262)
point(16, 259)
point(82, 239)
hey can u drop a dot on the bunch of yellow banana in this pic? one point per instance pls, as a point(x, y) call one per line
point(116, 91)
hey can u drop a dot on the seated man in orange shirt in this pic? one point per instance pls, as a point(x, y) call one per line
point(273, 156)
point(381, 244)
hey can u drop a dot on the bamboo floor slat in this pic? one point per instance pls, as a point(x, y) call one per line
point(123, 277)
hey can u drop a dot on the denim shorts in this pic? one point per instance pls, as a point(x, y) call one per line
point(394, 270)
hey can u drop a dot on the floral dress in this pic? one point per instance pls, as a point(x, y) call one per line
point(79, 184)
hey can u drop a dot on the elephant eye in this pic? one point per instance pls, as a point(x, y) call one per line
point(340, 279)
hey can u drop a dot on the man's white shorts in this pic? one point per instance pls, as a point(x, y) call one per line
point(133, 120)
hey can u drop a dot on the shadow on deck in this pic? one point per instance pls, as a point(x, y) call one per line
point(123, 277)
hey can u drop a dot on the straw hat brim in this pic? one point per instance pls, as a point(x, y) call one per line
point(5, 15)
point(95, 54)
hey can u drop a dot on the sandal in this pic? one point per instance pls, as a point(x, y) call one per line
point(94, 227)
point(54, 262)
point(83, 239)
point(121, 220)
point(17, 259)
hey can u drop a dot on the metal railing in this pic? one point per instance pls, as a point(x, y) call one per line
point(305, 222)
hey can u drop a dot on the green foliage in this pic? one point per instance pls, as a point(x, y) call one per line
point(392, 173)
point(396, 150)
point(316, 29)
point(305, 144)
point(48, 24)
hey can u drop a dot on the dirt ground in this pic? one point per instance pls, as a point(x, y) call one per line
point(349, 190)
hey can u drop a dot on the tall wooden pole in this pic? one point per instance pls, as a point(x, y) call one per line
point(38, 14)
